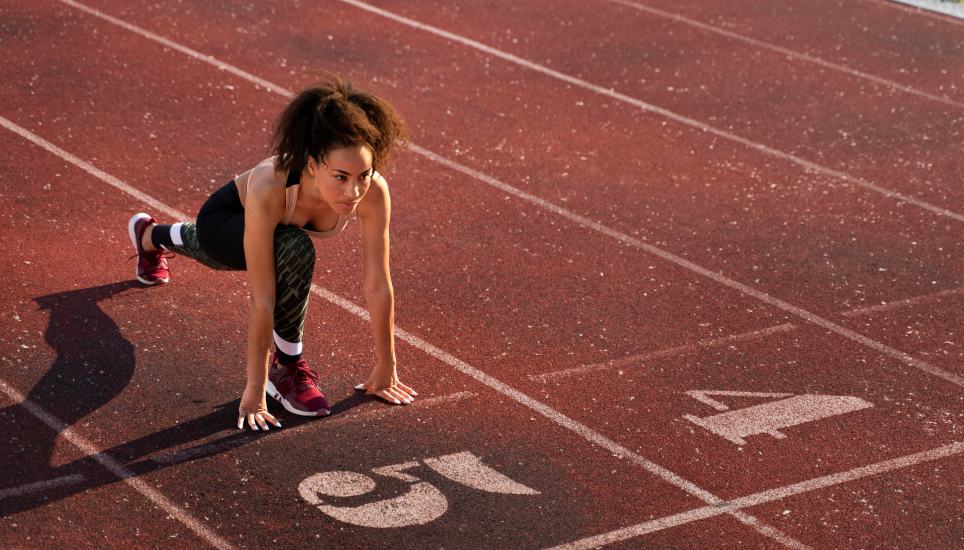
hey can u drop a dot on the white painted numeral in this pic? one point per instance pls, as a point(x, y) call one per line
point(420, 505)
point(768, 418)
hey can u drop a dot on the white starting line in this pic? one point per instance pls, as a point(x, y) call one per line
point(40, 485)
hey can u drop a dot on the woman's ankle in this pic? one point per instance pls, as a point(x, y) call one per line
point(146, 242)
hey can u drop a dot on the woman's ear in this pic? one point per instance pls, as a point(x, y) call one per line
point(312, 165)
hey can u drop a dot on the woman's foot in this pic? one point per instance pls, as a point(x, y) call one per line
point(294, 386)
point(151, 265)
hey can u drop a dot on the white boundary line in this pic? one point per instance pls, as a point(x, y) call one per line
point(40, 485)
point(790, 53)
point(902, 303)
point(116, 468)
point(553, 415)
point(806, 164)
point(762, 498)
point(576, 218)
point(699, 344)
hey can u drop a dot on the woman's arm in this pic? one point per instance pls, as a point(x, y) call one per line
point(375, 212)
point(263, 210)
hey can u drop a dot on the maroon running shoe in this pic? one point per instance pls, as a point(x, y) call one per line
point(151, 266)
point(294, 386)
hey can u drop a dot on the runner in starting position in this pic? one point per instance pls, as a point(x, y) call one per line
point(327, 144)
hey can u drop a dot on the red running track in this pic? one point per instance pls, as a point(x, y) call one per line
point(544, 335)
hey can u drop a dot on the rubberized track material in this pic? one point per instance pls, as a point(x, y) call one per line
point(666, 243)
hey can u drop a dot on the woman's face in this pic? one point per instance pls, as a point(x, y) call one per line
point(343, 177)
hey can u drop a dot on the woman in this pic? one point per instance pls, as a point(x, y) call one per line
point(327, 144)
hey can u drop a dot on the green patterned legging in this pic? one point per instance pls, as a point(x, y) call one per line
point(294, 265)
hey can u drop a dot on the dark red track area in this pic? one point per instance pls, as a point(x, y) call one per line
point(560, 357)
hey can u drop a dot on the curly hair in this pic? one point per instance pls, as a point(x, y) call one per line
point(330, 114)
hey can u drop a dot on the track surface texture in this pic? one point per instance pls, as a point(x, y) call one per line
point(668, 275)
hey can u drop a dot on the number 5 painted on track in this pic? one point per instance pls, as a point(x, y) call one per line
point(420, 505)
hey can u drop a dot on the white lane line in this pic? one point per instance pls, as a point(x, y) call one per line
point(41, 486)
point(116, 468)
point(809, 166)
point(185, 50)
point(589, 224)
point(902, 303)
point(763, 497)
point(669, 352)
point(789, 53)
point(555, 416)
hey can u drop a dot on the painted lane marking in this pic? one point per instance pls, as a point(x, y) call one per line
point(467, 469)
point(553, 415)
point(589, 224)
point(763, 497)
point(669, 352)
point(40, 486)
point(422, 504)
point(809, 166)
point(901, 303)
point(703, 396)
point(768, 418)
point(88, 448)
point(789, 53)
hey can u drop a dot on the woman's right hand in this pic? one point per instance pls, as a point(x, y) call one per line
point(254, 409)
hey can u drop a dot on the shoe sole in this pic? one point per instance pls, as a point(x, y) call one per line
point(273, 392)
point(130, 231)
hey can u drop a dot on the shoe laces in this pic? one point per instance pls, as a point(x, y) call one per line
point(153, 259)
point(302, 375)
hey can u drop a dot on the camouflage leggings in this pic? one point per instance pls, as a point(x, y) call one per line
point(294, 265)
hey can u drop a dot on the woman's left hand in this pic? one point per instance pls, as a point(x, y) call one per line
point(387, 386)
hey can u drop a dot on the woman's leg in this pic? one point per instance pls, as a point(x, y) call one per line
point(294, 265)
point(181, 238)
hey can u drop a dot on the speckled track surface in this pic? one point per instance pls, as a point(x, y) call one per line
point(668, 275)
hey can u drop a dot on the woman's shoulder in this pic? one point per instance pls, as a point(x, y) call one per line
point(266, 176)
point(377, 200)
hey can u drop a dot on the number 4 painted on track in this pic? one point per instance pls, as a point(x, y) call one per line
point(421, 504)
point(769, 417)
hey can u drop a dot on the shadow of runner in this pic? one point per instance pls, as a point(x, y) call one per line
point(94, 364)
